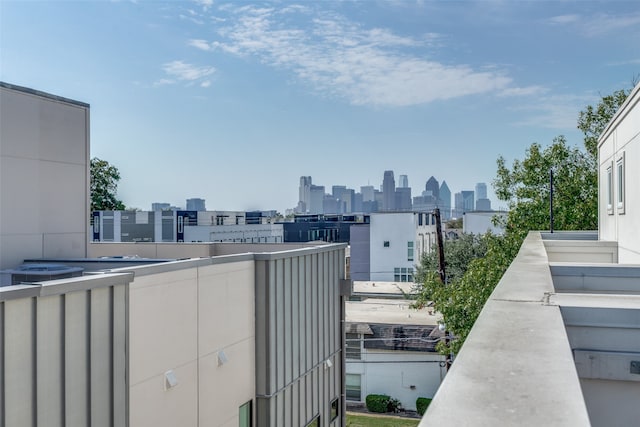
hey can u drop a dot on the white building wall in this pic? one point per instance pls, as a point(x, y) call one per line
point(398, 229)
point(180, 321)
point(44, 176)
point(481, 222)
point(621, 142)
point(395, 372)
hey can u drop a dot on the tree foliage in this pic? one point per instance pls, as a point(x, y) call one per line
point(104, 186)
point(525, 187)
point(478, 263)
point(593, 120)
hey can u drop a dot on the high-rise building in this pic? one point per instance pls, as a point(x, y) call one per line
point(196, 204)
point(367, 193)
point(388, 191)
point(304, 194)
point(159, 206)
point(316, 199)
point(432, 188)
point(468, 202)
point(481, 191)
point(403, 199)
point(403, 181)
point(482, 202)
point(445, 201)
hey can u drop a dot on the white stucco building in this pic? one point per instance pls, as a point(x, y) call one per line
point(389, 247)
point(619, 180)
point(479, 222)
point(44, 175)
point(390, 347)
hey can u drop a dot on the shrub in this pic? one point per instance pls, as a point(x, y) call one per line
point(394, 405)
point(422, 403)
point(377, 402)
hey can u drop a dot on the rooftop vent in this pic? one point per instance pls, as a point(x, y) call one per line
point(30, 273)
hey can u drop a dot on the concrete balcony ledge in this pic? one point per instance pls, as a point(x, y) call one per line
point(516, 367)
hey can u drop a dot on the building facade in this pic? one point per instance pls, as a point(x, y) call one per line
point(618, 178)
point(391, 245)
point(44, 175)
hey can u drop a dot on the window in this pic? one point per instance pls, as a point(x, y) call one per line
point(334, 409)
point(314, 422)
point(610, 189)
point(386, 244)
point(245, 415)
point(409, 251)
point(403, 274)
point(620, 181)
point(353, 349)
point(352, 385)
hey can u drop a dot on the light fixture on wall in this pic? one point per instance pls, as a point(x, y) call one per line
point(170, 380)
point(328, 364)
point(222, 358)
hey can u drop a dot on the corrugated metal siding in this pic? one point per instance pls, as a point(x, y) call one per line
point(63, 358)
point(298, 328)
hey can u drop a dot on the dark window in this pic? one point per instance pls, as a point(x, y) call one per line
point(386, 244)
point(334, 409)
point(245, 415)
point(353, 387)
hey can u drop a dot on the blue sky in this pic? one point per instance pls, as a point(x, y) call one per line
point(234, 101)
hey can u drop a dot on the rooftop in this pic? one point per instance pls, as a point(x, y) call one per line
point(557, 342)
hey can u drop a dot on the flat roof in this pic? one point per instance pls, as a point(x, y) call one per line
point(43, 94)
point(396, 312)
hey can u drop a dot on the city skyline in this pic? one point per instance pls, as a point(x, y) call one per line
point(232, 103)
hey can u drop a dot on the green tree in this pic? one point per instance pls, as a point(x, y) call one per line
point(525, 187)
point(593, 120)
point(104, 186)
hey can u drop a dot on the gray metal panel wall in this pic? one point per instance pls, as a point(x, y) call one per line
point(298, 329)
point(63, 357)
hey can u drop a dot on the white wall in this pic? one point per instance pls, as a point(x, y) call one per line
point(405, 369)
point(481, 222)
point(44, 176)
point(622, 138)
point(397, 229)
point(180, 320)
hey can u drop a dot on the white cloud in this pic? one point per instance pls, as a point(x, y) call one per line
point(598, 24)
point(523, 91)
point(200, 44)
point(204, 3)
point(182, 71)
point(555, 111)
point(564, 19)
point(338, 57)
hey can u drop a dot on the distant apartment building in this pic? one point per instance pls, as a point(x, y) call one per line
point(389, 247)
point(196, 204)
point(44, 175)
point(390, 347)
point(184, 226)
point(321, 227)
